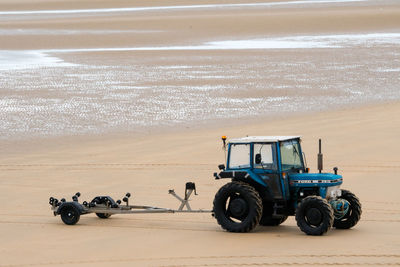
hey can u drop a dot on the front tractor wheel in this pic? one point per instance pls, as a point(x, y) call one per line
point(314, 215)
point(353, 213)
point(237, 207)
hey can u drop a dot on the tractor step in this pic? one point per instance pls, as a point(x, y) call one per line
point(276, 208)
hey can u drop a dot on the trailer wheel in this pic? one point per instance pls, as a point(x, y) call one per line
point(103, 215)
point(237, 207)
point(314, 215)
point(353, 215)
point(70, 214)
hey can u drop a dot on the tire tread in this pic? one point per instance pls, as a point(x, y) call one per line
point(327, 209)
point(355, 213)
point(253, 194)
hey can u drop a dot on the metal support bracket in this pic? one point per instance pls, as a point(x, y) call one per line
point(189, 188)
point(184, 201)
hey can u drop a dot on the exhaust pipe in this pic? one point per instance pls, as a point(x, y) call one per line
point(320, 158)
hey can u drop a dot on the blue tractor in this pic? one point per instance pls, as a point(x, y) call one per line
point(270, 181)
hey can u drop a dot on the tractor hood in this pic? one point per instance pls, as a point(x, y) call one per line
point(314, 179)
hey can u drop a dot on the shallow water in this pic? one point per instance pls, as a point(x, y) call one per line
point(78, 91)
point(290, 42)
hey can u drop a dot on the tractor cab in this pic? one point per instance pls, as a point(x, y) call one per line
point(265, 160)
point(281, 153)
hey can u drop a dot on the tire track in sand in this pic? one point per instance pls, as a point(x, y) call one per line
point(280, 260)
point(5, 167)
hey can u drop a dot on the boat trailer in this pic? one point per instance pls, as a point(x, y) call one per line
point(105, 206)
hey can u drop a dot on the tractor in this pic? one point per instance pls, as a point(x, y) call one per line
point(270, 181)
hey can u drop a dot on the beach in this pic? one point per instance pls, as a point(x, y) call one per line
point(105, 98)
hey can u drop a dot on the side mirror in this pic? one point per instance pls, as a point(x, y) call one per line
point(258, 159)
point(221, 167)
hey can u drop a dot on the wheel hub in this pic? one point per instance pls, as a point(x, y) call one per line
point(314, 216)
point(238, 207)
point(340, 207)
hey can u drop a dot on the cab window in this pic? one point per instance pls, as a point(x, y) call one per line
point(265, 156)
point(239, 156)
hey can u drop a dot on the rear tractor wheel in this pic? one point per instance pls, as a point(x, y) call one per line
point(314, 215)
point(237, 207)
point(349, 203)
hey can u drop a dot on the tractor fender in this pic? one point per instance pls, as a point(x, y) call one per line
point(248, 177)
point(242, 175)
point(231, 174)
point(69, 204)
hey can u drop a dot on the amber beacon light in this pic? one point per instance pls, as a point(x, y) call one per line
point(224, 140)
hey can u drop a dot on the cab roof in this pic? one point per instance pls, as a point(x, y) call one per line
point(268, 139)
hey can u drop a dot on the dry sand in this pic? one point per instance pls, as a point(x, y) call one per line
point(361, 141)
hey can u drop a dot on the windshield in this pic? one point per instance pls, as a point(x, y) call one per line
point(290, 155)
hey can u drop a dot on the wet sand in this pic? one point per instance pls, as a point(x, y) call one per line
point(82, 68)
point(68, 128)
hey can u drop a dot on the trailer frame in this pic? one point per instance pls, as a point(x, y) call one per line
point(105, 206)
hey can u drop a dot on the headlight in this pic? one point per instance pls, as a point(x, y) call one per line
point(333, 192)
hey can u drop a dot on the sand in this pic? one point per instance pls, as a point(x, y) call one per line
point(361, 142)
point(359, 139)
